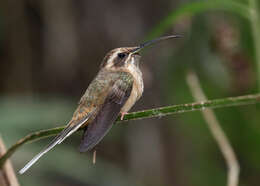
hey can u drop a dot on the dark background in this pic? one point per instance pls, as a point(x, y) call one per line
point(51, 50)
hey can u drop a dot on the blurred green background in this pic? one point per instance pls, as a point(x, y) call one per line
point(51, 50)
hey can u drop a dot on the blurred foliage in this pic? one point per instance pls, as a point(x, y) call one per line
point(51, 50)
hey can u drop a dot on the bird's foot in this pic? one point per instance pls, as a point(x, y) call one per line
point(123, 114)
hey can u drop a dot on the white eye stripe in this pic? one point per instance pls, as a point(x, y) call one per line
point(132, 60)
point(114, 58)
point(128, 58)
point(111, 59)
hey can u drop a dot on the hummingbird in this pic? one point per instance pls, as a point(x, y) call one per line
point(114, 90)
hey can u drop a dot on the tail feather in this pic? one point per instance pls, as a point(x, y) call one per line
point(57, 140)
point(37, 157)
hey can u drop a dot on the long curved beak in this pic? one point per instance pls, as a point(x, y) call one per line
point(147, 43)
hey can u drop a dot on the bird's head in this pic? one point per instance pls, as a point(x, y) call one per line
point(127, 56)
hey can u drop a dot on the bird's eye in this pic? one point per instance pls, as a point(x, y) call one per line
point(121, 55)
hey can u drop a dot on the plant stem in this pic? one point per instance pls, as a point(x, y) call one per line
point(7, 174)
point(217, 132)
point(151, 113)
point(255, 24)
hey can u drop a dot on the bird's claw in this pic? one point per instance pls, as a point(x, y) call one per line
point(122, 115)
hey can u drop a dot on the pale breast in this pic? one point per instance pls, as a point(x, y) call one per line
point(137, 89)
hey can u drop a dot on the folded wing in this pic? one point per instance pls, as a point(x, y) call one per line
point(107, 114)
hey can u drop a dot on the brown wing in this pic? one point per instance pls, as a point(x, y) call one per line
point(95, 95)
point(107, 115)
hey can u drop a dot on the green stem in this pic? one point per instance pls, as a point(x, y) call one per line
point(216, 130)
point(255, 24)
point(157, 112)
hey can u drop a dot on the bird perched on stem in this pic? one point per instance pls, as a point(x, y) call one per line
point(115, 89)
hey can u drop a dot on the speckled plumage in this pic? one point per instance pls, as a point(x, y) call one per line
point(117, 86)
point(97, 92)
point(115, 89)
